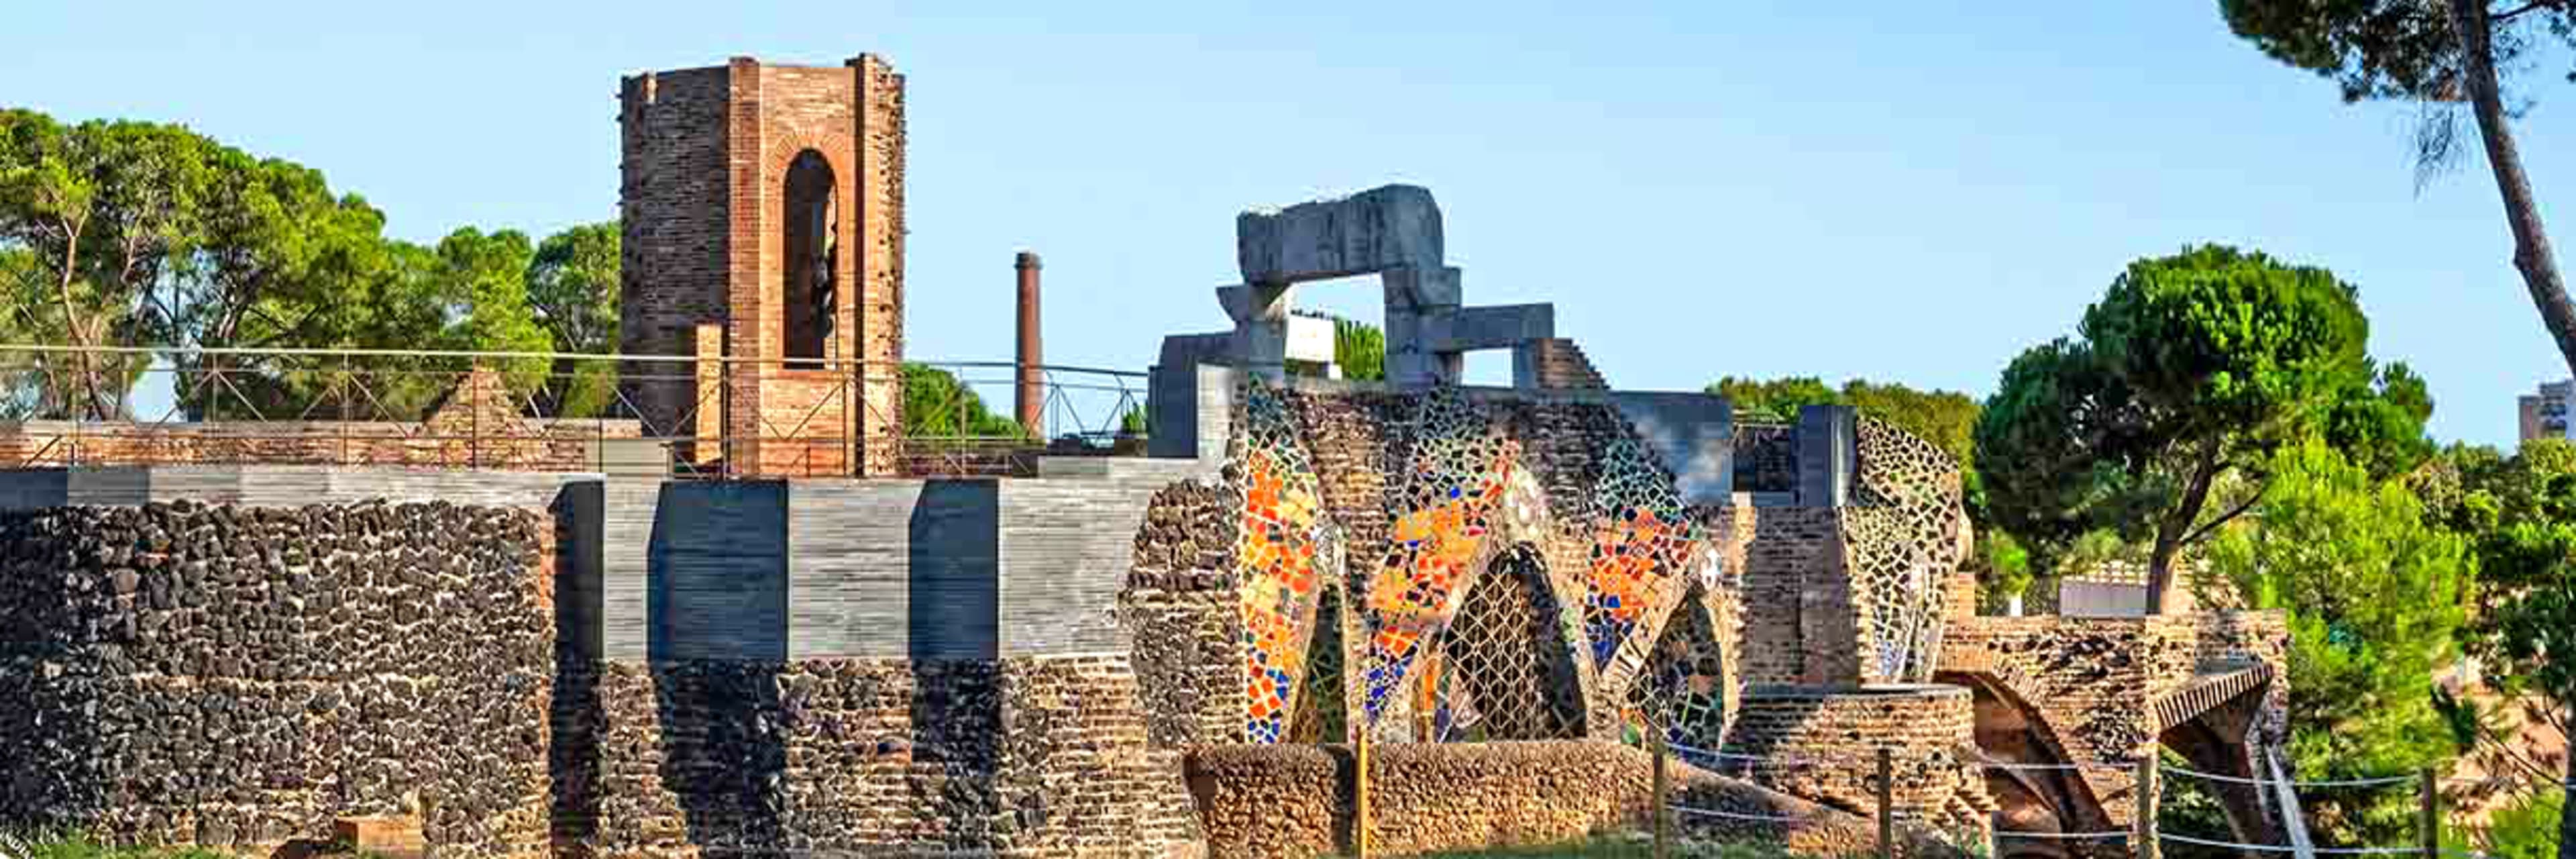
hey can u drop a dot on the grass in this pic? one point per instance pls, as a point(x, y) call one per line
point(60, 846)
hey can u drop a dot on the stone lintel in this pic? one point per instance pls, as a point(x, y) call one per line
point(1391, 226)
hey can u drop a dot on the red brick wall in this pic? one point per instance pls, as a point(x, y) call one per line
point(706, 159)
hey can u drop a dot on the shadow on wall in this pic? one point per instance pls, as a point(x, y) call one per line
point(890, 751)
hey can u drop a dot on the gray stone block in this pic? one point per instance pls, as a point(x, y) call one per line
point(1392, 226)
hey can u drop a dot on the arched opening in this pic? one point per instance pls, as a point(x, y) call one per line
point(1510, 670)
point(1682, 690)
point(812, 269)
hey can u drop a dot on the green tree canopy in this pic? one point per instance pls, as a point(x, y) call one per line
point(2187, 375)
point(1360, 349)
point(2375, 595)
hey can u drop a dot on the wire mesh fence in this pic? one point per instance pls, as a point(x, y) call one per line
point(677, 416)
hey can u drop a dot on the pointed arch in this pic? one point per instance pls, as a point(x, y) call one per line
point(1508, 659)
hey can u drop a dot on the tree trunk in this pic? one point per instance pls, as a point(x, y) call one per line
point(2170, 532)
point(2531, 254)
point(72, 323)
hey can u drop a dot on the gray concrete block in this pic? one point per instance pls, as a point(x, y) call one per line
point(1692, 433)
point(1392, 226)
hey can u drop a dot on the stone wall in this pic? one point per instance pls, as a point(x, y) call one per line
point(242, 676)
point(1182, 600)
point(1015, 757)
point(1296, 800)
point(1766, 457)
point(1821, 744)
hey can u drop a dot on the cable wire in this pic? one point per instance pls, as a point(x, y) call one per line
point(1731, 815)
point(2351, 782)
point(2268, 848)
point(2061, 836)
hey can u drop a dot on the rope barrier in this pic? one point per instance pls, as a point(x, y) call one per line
point(1730, 815)
point(1734, 756)
point(2352, 782)
point(2061, 836)
point(2268, 848)
point(2010, 766)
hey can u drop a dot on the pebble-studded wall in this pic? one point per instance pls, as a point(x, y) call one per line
point(229, 676)
point(1015, 757)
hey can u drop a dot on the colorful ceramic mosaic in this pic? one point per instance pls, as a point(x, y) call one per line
point(1683, 690)
point(1644, 536)
point(1287, 552)
point(1904, 533)
point(1461, 467)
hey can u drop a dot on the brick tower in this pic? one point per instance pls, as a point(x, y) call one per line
point(762, 211)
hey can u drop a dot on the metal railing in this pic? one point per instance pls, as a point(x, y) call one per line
point(683, 416)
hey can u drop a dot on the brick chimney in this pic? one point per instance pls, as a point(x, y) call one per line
point(1030, 406)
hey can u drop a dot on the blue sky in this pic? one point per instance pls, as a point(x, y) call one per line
point(1910, 192)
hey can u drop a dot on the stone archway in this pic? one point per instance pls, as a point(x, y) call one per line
point(2010, 731)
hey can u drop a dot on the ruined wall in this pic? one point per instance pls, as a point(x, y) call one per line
point(706, 155)
point(1015, 757)
point(242, 676)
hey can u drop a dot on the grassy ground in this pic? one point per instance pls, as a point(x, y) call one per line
point(75, 847)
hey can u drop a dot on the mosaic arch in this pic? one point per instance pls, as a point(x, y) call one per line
point(1462, 630)
point(1453, 498)
point(1287, 551)
point(1905, 533)
point(1687, 689)
point(1508, 658)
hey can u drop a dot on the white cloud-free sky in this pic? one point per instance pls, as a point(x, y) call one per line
point(1910, 192)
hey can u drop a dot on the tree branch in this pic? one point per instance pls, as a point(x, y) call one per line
point(2533, 6)
point(2223, 518)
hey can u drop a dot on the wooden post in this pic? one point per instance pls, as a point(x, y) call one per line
point(1886, 788)
point(2430, 818)
point(2143, 823)
point(1663, 795)
point(1359, 798)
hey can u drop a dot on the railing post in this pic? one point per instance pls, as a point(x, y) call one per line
point(1359, 798)
point(1663, 796)
point(2430, 818)
point(2143, 823)
point(1886, 789)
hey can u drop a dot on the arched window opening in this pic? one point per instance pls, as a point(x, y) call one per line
point(811, 290)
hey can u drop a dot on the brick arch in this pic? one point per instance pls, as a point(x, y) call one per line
point(2082, 791)
point(779, 153)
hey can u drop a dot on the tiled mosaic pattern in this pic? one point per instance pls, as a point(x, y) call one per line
point(1461, 631)
point(1903, 535)
point(1288, 551)
point(1460, 469)
point(1643, 536)
point(1683, 690)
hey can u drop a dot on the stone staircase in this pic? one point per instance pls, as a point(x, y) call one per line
point(1562, 366)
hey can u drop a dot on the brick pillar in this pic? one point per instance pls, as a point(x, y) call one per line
point(1030, 406)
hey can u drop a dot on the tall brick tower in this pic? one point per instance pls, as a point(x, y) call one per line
point(762, 211)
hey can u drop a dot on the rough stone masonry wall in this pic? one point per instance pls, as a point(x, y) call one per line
point(1181, 600)
point(1821, 743)
point(1296, 800)
point(1015, 757)
point(230, 676)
